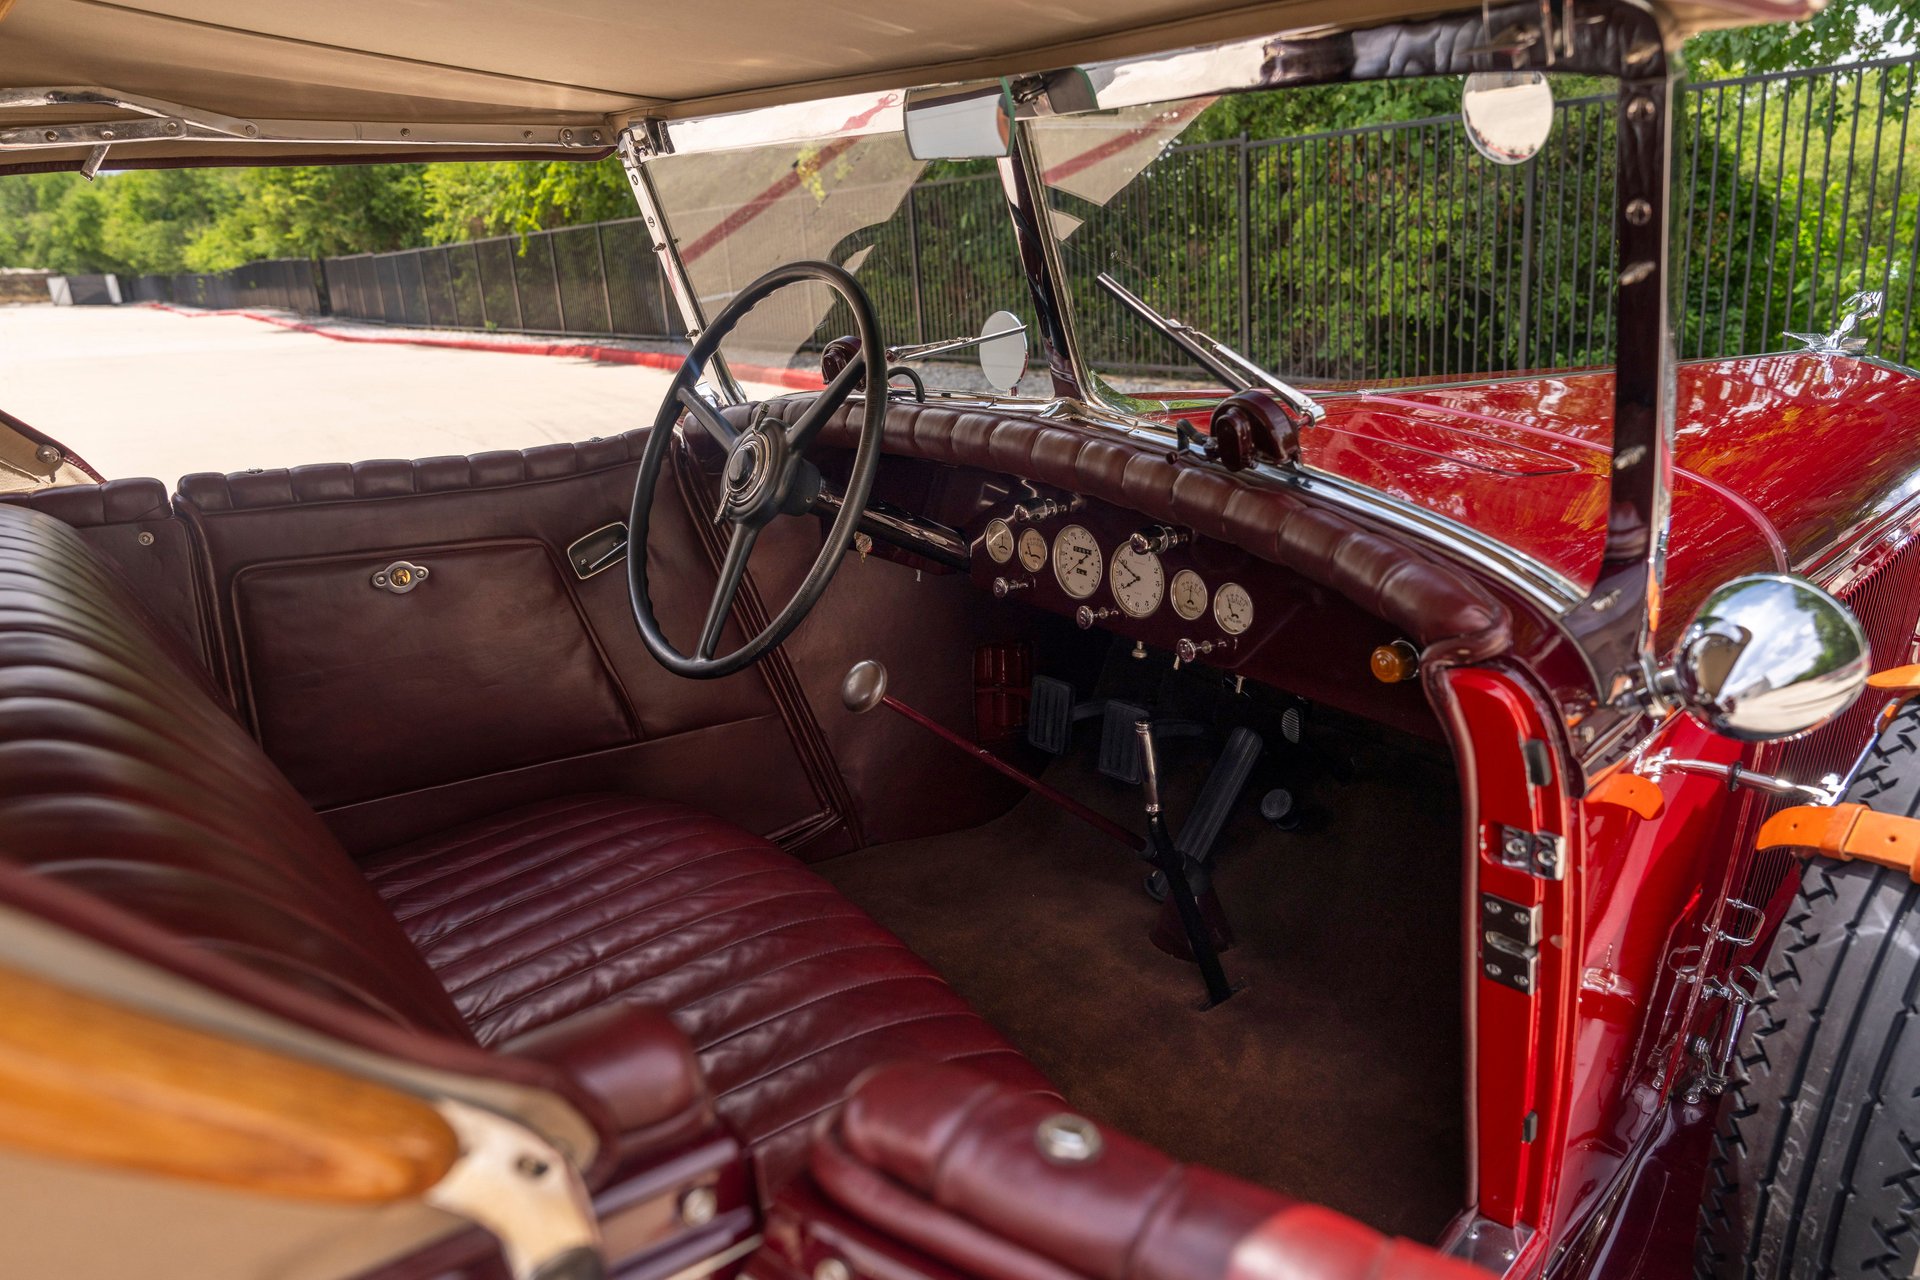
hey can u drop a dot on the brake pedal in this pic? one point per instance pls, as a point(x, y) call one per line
point(1223, 786)
point(1120, 741)
point(1050, 715)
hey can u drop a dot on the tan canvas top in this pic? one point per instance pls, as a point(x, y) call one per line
point(522, 70)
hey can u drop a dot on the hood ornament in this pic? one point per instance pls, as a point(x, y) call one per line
point(1843, 341)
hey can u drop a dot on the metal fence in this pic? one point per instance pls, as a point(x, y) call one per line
point(292, 284)
point(1388, 251)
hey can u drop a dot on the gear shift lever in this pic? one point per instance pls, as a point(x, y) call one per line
point(1173, 865)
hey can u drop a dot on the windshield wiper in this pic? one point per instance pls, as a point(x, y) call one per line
point(1219, 359)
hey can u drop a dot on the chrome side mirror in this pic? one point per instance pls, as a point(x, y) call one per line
point(1003, 351)
point(1768, 657)
point(1508, 114)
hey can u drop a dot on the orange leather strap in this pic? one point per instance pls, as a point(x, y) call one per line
point(1896, 680)
point(1849, 832)
point(1628, 791)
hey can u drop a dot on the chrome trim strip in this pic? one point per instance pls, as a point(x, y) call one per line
point(158, 122)
point(1546, 588)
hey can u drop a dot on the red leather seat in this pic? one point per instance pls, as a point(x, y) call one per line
point(787, 990)
point(121, 775)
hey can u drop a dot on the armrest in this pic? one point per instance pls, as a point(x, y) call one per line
point(952, 1163)
point(638, 1064)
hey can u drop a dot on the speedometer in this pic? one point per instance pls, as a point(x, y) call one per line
point(1137, 581)
point(1076, 562)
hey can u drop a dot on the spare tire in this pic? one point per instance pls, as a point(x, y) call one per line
point(1816, 1161)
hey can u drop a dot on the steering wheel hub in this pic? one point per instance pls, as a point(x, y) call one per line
point(754, 467)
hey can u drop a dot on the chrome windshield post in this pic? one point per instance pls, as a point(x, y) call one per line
point(638, 144)
point(1026, 194)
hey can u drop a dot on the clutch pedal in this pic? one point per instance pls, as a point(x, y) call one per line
point(1223, 786)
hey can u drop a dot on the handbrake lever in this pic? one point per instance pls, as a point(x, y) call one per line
point(1172, 864)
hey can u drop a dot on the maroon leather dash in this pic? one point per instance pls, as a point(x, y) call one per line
point(1450, 616)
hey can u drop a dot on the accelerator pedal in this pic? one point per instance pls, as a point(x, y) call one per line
point(1050, 715)
point(1223, 787)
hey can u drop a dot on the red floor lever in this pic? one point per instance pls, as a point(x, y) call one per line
point(865, 688)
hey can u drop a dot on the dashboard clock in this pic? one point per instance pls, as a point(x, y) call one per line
point(1077, 565)
point(1233, 608)
point(1033, 550)
point(1137, 581)
point(1189, 594)
point(999, 541)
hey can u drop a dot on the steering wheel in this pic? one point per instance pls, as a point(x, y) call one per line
point(766, 475)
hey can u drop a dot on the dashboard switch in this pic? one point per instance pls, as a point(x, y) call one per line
point(1086, 615)
point(1004, 587)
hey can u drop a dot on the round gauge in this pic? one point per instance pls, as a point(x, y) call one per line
point(1189, 594)
point(999, 541)
point(1076, 562)
point(1137, 581)
point(1033, 550)
point(1233, 608)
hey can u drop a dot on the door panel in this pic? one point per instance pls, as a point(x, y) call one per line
point(504, 678)
point(487, 663)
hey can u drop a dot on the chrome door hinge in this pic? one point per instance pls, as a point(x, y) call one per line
point(1509, 943)
point(1538, 853)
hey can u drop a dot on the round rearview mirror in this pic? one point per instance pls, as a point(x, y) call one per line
point(1508, 114)
point(1003, 351)
point(1770, 657)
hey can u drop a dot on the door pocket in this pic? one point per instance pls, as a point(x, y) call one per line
point(483, 662)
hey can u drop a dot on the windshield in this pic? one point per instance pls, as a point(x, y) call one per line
point(1380, 253)
point(935, 253)
point(1352, 238)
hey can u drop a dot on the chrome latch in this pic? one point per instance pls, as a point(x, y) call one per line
point(400, 577)
point(1726, 993)
point(1826, 792)
point(1509, 942)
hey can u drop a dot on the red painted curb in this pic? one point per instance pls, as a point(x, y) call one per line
point(798, 379)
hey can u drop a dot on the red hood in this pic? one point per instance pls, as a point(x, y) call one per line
point(1777, 457)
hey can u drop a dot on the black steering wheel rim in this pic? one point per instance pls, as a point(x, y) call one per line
point(766, 475)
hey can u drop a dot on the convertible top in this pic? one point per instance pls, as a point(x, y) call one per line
point(418, 79)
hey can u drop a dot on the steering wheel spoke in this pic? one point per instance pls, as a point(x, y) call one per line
point(732, 569)
point(708, 416)
point(808, 425)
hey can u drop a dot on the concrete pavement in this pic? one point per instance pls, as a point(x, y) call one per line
point(138, 391)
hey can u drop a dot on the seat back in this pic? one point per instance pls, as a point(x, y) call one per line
point(121, 775)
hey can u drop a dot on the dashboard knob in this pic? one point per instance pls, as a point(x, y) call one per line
point(1003, 587)
point(1188, 650)
point(1156, 538)
point(1087, 615)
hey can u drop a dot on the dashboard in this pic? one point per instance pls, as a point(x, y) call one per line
point(1193, 599)
point(1140, 576)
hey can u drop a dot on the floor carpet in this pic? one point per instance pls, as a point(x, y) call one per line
point(1335, 1076)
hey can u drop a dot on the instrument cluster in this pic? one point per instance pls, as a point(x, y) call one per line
point(1135, 574)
